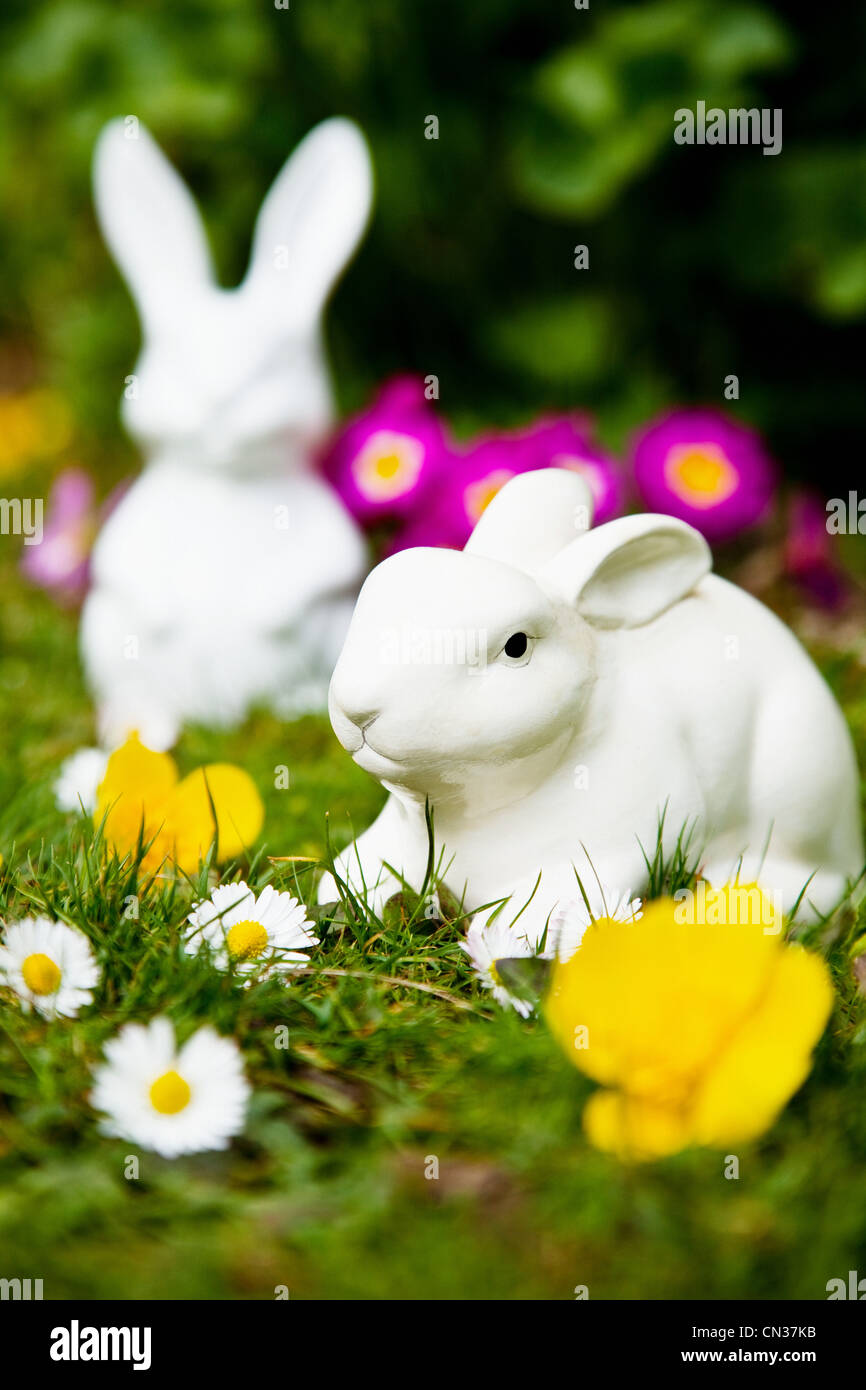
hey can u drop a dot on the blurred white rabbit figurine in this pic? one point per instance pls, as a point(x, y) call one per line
point(227, 573)
point(551, 692)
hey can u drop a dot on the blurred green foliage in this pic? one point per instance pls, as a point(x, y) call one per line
point(555, 129)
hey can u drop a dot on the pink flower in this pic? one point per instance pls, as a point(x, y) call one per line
point(809, 554)
point(447, 516)
point(60, 562)
point(567, 443)
point(385, 458)
point(705, 468)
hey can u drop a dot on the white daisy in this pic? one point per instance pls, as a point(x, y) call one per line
point(79, 779)
point(174, 1102)
point(485, 944)
point(571, 917)
point(251, 934)
point(49, 966)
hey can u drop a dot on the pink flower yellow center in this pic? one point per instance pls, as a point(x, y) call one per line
point(170, 1094)
point(388, 465)
point(701, 474)
point(246, 940)
point(478, 496)
point(41, 975)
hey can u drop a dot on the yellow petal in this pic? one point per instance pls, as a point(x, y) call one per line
point(161, 849)
point(769, 1056)
point(133, 793)
point(239, 810)
point(658, 997)
point(133, 768)
point(633, 1129)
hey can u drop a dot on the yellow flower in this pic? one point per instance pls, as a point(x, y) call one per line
point(700, 1030)
point(140, 795)
point(33, 425)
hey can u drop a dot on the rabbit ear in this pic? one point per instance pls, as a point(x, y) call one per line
point(629, 571)
point(149, 220)
point(312, 219)
point(532, 518)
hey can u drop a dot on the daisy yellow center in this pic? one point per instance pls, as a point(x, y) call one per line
point(246, 940)
point(41, 975)
point(170, 1094)
point(701, 474)
point(479, 495)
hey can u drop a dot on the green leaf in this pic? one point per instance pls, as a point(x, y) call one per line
point(568, 174)
point(579, 85)
point(841, 287)
point(526, 977)
point(559, 341)
point(740, 42)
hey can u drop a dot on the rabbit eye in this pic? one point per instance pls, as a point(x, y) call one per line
point(516, 646)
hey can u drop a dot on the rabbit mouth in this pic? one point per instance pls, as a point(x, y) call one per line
point(367, 745)
point(370, 758)
point(353, 734)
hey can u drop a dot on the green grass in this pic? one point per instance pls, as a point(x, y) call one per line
point(325, 1192)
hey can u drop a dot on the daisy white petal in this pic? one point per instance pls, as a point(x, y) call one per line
point(79, 778)
point(173, 1101)
point(49, 965)
point(272, 907)
point(485, 944)
point(252, 936)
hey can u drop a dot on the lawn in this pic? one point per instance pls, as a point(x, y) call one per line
point(395, 1059)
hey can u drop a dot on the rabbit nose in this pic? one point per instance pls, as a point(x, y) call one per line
point(352, 701)
point(362, 718)
point(350, 718)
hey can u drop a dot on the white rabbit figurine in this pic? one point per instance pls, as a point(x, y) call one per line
point(552, 693)
point(228, 571)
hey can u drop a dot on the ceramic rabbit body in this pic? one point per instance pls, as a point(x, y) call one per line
point(621, 677)
point(227, 573)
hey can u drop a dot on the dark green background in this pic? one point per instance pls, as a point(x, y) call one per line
point(556, 128)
